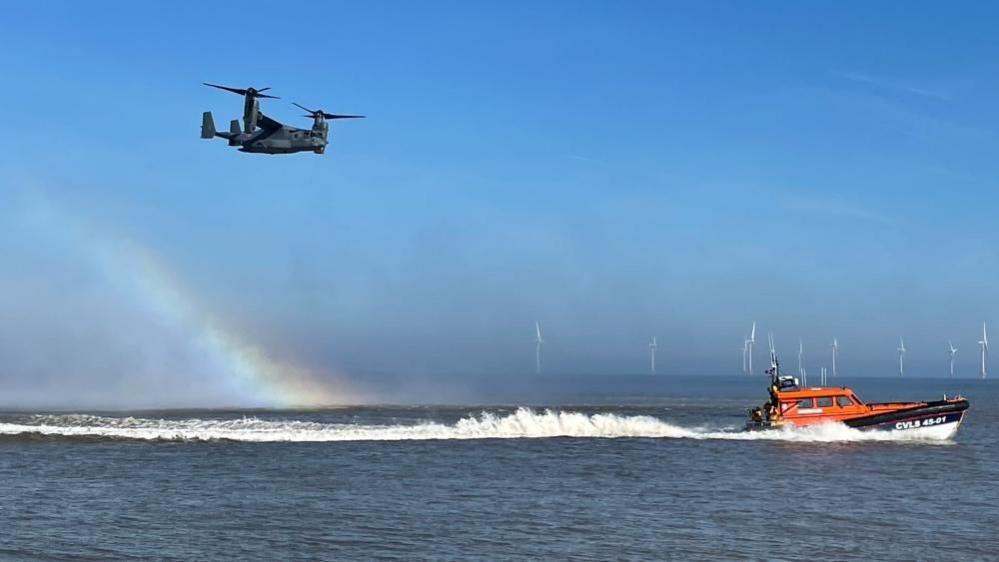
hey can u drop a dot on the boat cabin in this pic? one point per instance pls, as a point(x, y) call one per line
point(820, 404)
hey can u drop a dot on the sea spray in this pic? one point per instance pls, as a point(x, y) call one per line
point(523, 423)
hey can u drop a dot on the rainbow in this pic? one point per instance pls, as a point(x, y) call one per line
point(249, 366)
point(250, 373)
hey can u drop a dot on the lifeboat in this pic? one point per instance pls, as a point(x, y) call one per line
point(791, 404)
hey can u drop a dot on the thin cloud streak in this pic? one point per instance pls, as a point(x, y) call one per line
point(896, 85)
point(837, 208)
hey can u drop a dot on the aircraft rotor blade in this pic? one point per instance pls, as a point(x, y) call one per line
point(314, 112)
point(227, 88)
point(244, 91)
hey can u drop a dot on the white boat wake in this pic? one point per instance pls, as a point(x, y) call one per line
point(524, 423)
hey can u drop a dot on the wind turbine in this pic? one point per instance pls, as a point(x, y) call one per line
point(652, 350)
point(745, 346)
point(901, 354)
point(953, 350)
point(835, 347)
point(749, 347)
point(537, 348)
point(801, 353)
point(985, 347)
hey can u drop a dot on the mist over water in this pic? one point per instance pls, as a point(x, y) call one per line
point(99, 314)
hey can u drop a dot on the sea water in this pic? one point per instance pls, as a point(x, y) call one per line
point(599, 468)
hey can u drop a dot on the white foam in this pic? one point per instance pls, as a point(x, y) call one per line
point(524, 423)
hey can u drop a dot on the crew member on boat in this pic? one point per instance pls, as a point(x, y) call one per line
point(773, 406)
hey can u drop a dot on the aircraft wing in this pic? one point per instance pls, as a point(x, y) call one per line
point(265, 122)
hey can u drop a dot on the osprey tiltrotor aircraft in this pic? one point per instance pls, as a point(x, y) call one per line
point(261, 134)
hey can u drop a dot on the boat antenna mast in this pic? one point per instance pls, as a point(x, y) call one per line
point(774, 363)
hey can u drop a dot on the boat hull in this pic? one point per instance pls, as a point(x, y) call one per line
point(942, 417)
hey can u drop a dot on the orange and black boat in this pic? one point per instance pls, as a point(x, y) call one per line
point(791, 404)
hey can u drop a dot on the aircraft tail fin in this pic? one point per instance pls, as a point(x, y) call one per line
point(234, 127)
point(207, 125)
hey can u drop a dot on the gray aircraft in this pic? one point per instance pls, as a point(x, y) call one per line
point(263, 135)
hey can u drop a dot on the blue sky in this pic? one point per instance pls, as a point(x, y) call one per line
point(614, 170)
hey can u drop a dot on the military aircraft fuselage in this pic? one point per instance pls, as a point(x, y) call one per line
point(281, 140)
point(269, 136)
